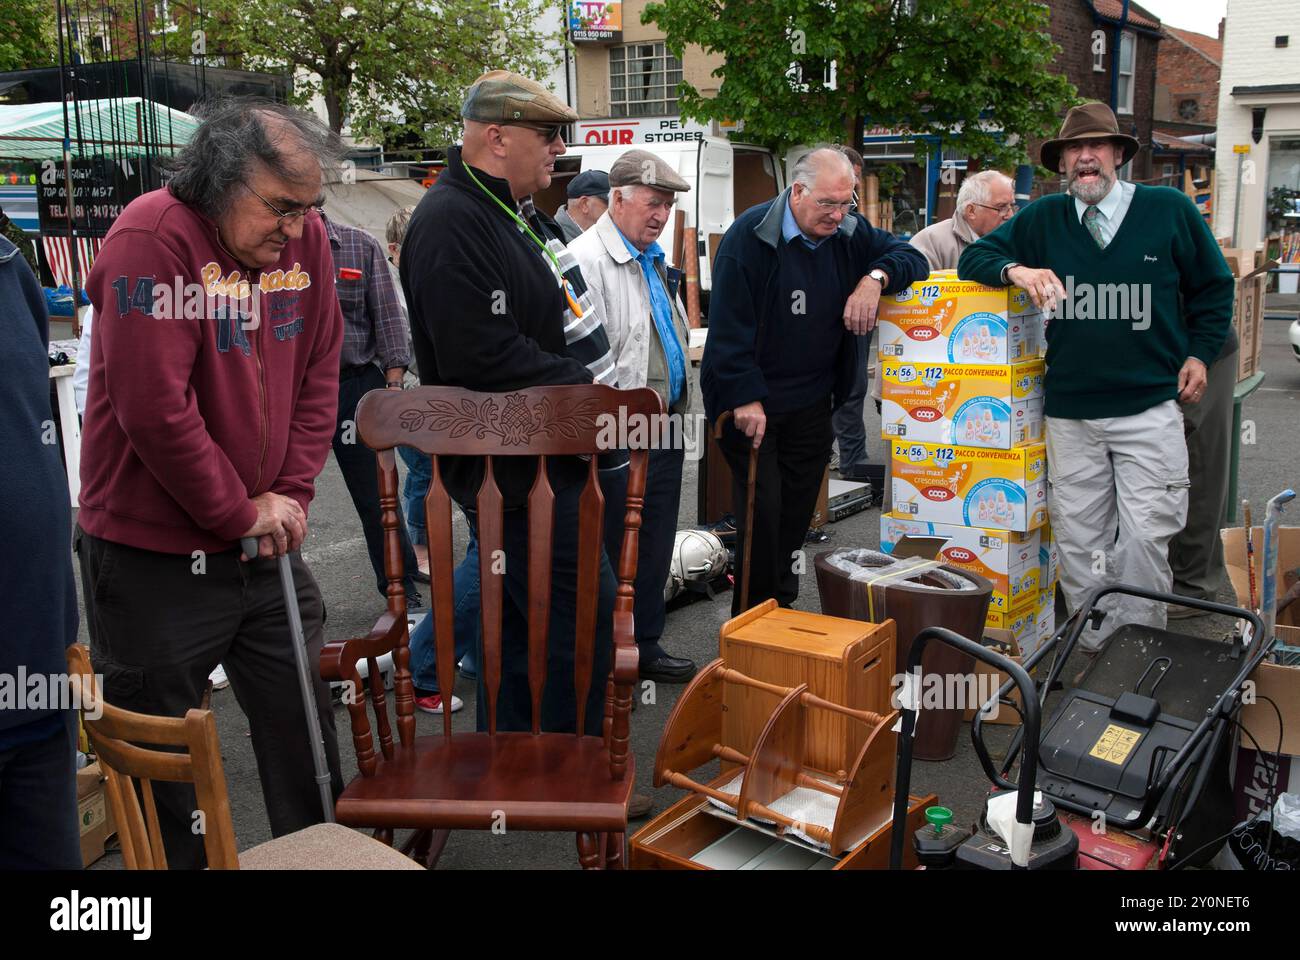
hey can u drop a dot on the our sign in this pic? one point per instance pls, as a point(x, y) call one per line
point(598, 21)
point(103, 188)
point(639, 131)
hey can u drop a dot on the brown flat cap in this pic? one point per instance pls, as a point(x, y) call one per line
point(1088, 121)
point(643, 168)
point(504, 97)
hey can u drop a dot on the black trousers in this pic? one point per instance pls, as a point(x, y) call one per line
point(357, 463)
point(160, 623)
point(663, 497)
point(791, 463)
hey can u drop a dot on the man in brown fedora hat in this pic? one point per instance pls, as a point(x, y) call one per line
point(1140, 303)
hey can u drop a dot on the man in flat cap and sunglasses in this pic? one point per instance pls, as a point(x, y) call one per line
point(588, 195)
point(488, 313)
point(636, 295)
point(1140, 303)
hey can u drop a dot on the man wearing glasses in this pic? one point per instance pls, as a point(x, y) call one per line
point(210, 406)
point(985, 201)
point(796, 279)
point(488, 313)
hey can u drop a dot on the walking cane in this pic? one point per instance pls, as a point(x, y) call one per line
point(299, 643)
point(750, 483)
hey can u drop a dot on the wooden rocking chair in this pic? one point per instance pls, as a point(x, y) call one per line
point(528, 780)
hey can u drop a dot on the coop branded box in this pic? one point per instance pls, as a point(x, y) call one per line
point(999, 406)
point(946, 320)
point(1007, 559)
point(970, 486)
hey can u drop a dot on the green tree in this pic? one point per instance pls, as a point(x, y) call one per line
point(974, 72)
point(388, 68)
point(27, 35)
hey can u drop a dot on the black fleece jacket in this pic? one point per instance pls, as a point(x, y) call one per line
point(752, 326)
point(486, 313)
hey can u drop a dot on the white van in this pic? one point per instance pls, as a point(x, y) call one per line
point(726, 178)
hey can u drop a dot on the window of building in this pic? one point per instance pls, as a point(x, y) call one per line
point(1127, 63)
point(643, 80)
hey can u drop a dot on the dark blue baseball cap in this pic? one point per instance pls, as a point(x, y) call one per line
point(589, 183)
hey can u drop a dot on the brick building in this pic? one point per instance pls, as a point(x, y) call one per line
point(1186, 104)
point(1187, 81)
point(1111, 58)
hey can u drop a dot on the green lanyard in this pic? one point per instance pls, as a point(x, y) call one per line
point(518, 219)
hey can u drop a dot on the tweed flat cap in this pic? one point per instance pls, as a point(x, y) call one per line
point(504, 97)
point(643, 168)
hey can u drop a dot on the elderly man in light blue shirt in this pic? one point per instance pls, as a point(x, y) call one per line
point(635, 293)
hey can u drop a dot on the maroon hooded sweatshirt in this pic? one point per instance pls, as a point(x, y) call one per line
point(209, 383)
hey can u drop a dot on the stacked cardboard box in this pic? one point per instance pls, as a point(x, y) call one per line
point(962, 410)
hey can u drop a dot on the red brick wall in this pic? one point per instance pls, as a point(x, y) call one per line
point(1186, 74)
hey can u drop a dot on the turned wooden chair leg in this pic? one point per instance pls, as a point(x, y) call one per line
point(439, 841)
point(614, 859)
point(384, 835)
point(590, 849)
point(417, 847)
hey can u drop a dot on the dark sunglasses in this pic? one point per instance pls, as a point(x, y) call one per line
point(549, 131)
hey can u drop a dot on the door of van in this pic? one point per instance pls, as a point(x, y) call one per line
point(714, 201)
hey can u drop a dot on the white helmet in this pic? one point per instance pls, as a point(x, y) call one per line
point(698, 555)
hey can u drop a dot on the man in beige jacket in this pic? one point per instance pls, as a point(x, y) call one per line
point(985, 201)
point(635, 292)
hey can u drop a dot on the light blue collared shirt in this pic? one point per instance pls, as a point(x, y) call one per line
point(661, 312)
point(790, 230)
point(1110, 209)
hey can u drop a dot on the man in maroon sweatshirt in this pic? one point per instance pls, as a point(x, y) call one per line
point(213, 385)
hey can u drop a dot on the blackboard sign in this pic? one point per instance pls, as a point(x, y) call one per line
point(103, 188)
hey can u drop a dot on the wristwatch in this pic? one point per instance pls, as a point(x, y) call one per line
point(1006, 271)
point(879, 276)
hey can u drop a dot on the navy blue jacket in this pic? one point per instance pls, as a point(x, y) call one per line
point(745, 298)
point(38, 617)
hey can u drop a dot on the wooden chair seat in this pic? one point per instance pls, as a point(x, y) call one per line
point(552, 781)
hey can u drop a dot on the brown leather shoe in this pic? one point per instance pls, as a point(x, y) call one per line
point(639, 806)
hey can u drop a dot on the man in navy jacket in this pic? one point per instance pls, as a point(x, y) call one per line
point(795, 280)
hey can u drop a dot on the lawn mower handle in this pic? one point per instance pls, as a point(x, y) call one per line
point(907, 718)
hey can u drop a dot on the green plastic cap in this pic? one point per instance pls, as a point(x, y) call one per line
point(938, 817)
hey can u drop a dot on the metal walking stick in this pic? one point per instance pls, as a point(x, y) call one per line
point(751, 483)
point(299, 643)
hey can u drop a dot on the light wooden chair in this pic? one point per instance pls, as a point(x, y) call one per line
point(116, 735)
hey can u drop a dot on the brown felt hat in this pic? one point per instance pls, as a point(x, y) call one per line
point(504, 97)
point(643, 168)
point(1088, 121)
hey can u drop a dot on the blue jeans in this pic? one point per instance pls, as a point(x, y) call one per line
point(419, 474)
point(466, 609)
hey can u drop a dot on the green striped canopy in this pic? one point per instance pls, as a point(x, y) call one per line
point(128, 126)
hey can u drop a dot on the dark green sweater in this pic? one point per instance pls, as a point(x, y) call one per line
point(1159, 293)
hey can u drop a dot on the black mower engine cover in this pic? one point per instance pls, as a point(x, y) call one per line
point(1107, 743)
